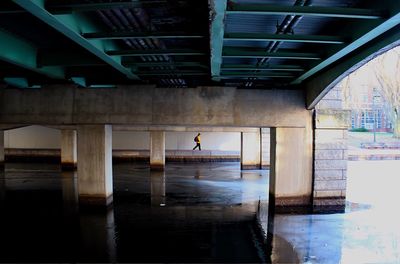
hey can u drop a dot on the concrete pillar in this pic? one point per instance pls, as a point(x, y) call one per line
point(157, 188)
point(290, 173)
point(330, 164)
point(157, 150)
point(250, 154)
point(95, 164)
point(1, 149)
point(68, 149)
point(265, 148)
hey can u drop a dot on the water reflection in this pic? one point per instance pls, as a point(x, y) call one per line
point(157, 188)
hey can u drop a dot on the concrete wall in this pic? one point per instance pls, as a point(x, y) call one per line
point(147, 105)
point(39, 137)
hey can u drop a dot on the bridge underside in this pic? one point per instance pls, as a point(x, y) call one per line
point(92, 66)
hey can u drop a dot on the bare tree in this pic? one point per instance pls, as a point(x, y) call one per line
point(387, 72)
point(383, 73)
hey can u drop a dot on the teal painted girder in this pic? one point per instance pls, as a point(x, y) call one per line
point(166, 52)
point(163, 64)
point(71, 26)
point(359, 41)
point(237, 52)
point(21, 53)
point(68, 8)
point(247, 67)
point(217, 15)
point(257, 75)
point(17, 82)
point(284, 38)
point(140, 35)
point(338, 12)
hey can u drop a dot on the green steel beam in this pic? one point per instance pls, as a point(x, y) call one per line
point(339, 12)
point(164, 64)
point(80, 81)
point(85, 7)
point(217, 27)
point(177, 73)
point(247, 67)
point(359, 41)
point(19, 52)
point(140, 35)
point(71, 26)
point(257, 75)
point(17, 82)
point(284, 38)
point(166, 52)
point(237, 52)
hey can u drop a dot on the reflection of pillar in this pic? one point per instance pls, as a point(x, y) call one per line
point(157, 188)
point(250, 151)
point(157, 150)
point(1, 149)
point(2, 189)
point(97, 236)
point(68, 149)
point(95, 164)
point(290, 174)
point(69, 192)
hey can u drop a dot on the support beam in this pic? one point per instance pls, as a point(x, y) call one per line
point(95, 184)
point(164, 64)
point(21, 53)
point(256, 75)
point(164, 52)
point(248, 67)
point(157, 150)
point(71, 26)
point(68, 149)
point(67, 8)
point(250, 154)
point(290, 174)
point(140, 35)
point(217, 16)
point(284, 38)
point(362, 38)
point(1, 150)
point(338, 12)
point(176, 72)
point(235, 52)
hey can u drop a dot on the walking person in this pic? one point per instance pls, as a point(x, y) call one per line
point(197, 140)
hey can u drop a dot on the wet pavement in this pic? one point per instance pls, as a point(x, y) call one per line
point(194, 213)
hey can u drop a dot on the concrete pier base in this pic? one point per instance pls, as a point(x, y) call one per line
point(157, 150)
point(250, 155)
point(290, 174)
point(1, 150)
point(68, 149)
point(95, 186)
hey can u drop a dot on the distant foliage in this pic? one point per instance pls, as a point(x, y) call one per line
point(360, 129)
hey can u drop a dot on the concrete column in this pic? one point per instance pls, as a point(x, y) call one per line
point(95, 164)
point(157, 188)
point(265, 148)
point(330, 164)
point(1, 149)
point(157, 150)
point(68, 149)
point(290, 173)
point(250, 154)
